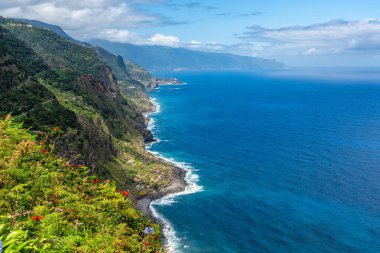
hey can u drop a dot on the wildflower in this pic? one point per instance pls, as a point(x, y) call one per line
point(125, 193)
point(97, 180)
point(80, 166)
point(92, 181)
point(1, 246)
point(147, 243)
point(149, 230)
point(43, 150)
point(42, 143)
point(37, 218)
point(56, 129)
point(118, 191)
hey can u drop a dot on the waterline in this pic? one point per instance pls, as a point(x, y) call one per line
point(173, 242)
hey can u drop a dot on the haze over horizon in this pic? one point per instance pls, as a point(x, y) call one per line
point(323, 33)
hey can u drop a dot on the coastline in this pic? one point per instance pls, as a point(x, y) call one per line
point(184, 182)
point(178, 183)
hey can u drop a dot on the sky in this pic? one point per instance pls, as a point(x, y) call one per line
point(296, 32)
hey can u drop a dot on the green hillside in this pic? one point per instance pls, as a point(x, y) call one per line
point(48, 204)
point(48, 81)
point(132, 86)
point(20, 92)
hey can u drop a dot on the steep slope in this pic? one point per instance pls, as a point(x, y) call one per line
point(133, 87)
point(133, 79)
point(104, 127)
point(60, 206)
point(116, 63)
point(142, 75)
point(161, 58)
point(20, 92)
point(76, 72)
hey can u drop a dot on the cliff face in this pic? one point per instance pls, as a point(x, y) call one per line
point(50, 81)
point(141, 74)
point(133, 80)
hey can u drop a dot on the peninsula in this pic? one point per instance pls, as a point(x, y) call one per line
point(168, 81)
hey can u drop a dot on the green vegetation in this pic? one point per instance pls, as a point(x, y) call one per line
point(141, 74)
point(21, 94)
point(48, 82)
point(115, 62)
point(57, 82)
point(47, 204)
point(60, 54)
point(133, 80)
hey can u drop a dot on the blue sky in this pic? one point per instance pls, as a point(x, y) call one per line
point(300, 33)
point(212, 25)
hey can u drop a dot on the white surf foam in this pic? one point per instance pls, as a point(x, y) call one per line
point(173, 242)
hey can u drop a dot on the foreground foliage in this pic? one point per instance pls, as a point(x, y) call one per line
point(49, 205)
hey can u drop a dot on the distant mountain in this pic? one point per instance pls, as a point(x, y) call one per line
point(161, 58)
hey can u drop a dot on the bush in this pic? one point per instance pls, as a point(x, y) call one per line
point(57, 206)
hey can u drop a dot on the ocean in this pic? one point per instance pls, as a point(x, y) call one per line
point(278, 162)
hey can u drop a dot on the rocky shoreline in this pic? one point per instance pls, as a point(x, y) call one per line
point(178, 182)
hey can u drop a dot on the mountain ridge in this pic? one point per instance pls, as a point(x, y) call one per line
point(102, 116)
point(156, 58)
point(163, 58)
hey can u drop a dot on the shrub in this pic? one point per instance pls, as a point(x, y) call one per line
point(56, 206)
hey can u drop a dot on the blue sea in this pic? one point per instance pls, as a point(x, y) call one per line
point(279, 162)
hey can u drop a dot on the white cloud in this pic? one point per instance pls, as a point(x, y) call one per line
point(159, 39)
point(115, 20)
point(82, 19)
point(103, 19)
point(334, 37)
point(126, 36)
point(205, 46)
point(194, 44)
point(117, 35)
point(310, 51)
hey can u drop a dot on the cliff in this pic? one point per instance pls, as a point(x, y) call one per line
point(49, 81)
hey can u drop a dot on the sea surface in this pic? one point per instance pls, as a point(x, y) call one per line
point(281, 162)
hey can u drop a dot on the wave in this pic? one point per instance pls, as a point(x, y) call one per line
point(156, 108)
point(173, 242)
